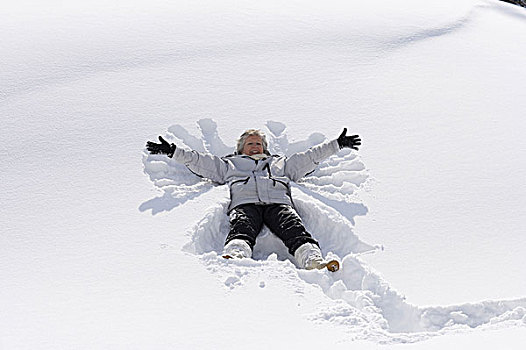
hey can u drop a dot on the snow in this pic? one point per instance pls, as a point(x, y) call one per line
point(105, 246)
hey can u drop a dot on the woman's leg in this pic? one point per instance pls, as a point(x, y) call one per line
point(284, 222)
point(246, 221)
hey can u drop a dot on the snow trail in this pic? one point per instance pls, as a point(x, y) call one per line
point(327, 200)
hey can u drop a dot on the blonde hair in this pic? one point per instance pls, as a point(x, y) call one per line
point(251, 132)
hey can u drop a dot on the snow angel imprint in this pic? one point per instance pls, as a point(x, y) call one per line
point(260, 191)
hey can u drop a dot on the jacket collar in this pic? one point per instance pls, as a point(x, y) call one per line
point(259, 156)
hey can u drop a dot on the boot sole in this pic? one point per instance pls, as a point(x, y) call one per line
point(333, 265)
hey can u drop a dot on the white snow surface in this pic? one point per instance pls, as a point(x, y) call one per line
point(103, 246)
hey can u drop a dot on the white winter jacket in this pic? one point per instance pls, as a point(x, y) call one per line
point(262, 181)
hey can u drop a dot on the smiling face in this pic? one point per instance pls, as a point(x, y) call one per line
point(253, 145)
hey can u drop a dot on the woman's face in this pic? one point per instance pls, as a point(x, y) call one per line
point(253, 145)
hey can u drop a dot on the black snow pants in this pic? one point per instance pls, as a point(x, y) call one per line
point(246, 221)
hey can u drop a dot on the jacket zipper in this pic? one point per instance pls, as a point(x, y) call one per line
point(256, 182)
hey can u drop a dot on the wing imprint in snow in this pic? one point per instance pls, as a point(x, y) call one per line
point(175, 180)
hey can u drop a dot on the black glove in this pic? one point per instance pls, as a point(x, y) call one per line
point(161, 148)
point(349, 141)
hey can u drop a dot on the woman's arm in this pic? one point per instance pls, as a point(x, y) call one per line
point(300, 164)
point(205, 165)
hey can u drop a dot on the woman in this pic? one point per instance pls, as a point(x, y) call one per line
point(260, 192)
